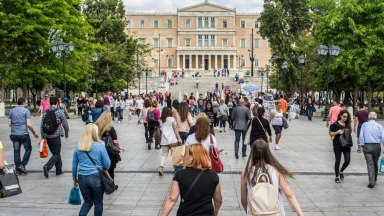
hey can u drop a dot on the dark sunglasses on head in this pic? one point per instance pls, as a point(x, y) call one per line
point(345, 116)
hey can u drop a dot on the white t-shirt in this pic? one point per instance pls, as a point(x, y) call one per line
point(168, 134)
point(207, 142)
point(140, 103)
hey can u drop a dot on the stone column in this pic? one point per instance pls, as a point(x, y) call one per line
point(216, 61)
point(184, 61)
point(209, 61)
point(222, 62)
point(234, 62)
point(202, 61)
point(178, 61)
point(190, 61)
point(229, 62)
point(197, 61)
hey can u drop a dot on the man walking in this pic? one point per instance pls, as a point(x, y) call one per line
point(53, 125)
point(200, 103)
point(361, 117)
point(44, 105)
point(216, 87)
point(334, 112)
point(140, 105)
point(19, 120)
point(197, 83)
point(371, 138)
point(240, 117)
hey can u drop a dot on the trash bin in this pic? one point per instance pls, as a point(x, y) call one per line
point(68, 104)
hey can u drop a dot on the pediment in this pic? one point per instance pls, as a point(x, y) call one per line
point(206, 7)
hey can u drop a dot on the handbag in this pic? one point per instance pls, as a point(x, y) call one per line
point(381, 165)
point(106, 180)
point(224, 117)
point(247, 140)
point(74, 196)
point(266, 134)
point(193, 184)
point(216, 163)
point(285, 124)
point(132, 108)
point(345, 139)
point(43, 148)
point(157, 135)
point(111, 148)
point(178, 155)
point(9, 184)
point(118, 108)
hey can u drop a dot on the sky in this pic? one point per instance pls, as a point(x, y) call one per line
point(172, 5)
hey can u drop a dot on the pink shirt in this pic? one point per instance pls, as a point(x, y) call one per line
point(156, 112)
point(45, 104)
point(335, 110)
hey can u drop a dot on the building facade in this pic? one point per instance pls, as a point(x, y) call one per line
point(201, 37)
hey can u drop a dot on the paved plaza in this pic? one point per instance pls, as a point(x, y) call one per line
point(306, 150)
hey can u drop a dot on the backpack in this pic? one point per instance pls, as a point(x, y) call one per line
point(50, 124)
point(264, 199)
point(151, 117)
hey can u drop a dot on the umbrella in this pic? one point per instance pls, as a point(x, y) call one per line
point(251, 88)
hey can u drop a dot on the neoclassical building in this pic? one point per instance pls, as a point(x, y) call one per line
point(200, 38)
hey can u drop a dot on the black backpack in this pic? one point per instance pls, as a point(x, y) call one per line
point(50, 124)
point(151, 117)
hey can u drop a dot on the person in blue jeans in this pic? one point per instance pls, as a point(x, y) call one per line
point(310, 106)
point(19, 120)
point(84, 172)
point(240, 117)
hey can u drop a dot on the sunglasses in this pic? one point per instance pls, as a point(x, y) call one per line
point(344, 116)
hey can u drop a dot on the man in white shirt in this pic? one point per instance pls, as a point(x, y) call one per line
point(140, 105)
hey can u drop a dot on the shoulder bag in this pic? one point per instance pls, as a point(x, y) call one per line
point(216, 163)
point(109, 145)
point(247, 140)
point(345, 139)
point(285, 123)
point(266, 134)
point(106, 180)
point(190, 187)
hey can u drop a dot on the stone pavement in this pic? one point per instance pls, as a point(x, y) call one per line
point(306, 150)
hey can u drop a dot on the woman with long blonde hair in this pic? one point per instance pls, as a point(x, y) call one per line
point(104, 123)
point(84, 172)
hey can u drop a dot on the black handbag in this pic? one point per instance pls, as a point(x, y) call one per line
point(285, 123)
point(106, 180)
point(9, 184)
point(345, 139)
point(111, 148)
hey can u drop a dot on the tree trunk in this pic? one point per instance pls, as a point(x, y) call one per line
point(347, 97)
point(25, 90)
point(369, 93)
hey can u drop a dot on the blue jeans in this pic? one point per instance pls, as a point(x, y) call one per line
point(54, 145)
point(239, 133)
point(119, 114)
point(183, 136)
point(201, 109)
point(92, 191)
point(18, 141)
point(310, 114)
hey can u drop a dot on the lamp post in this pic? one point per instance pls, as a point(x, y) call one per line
point(301, 62)
point(127, 77)
point(284, 66)
point(251, 55)
point(139, 75)
point(262, 73)
point(146, 81)
point(95, 59)
point(328, 52)
point(160, 50)
point(63, 48)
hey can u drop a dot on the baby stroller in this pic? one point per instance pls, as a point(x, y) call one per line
point(294, 111)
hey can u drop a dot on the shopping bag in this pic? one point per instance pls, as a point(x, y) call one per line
point(74, 196)
point(247, 140)
point(216, 163)
point(178, 155)
point(382, 165)
point(157, 135)
point(9, 185)
point(43, 149)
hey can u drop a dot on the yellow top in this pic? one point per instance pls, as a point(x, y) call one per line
point(1, 145)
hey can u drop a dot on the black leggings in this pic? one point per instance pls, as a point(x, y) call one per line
point(79, 111)
point(151, 129)
point(215, 120)
point(347, 159)
point(222, 122)
point(146, 133)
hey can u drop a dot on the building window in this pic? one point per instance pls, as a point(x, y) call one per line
point(169, 23)
point(225, 42)
point(187, 23)
point(256, 42)
point(142, 24)
point(169, 42)
point(256, 24)
point(206, 40)
point(242, 62)
point(156, 42)
point(213, 22)
point(206, 22)
point(242, 42)
point(188, 42)
point(200, 40)
point(213, 42)
point(256, 62)
point(169, 63)
point(155, 62)
point(242, 24)
point(155, 23)
point(268, 44)
point(129, 24)
point(200, 22)
point(142, 41)
point(225, 22)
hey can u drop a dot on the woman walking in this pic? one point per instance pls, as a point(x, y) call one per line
point(209, 112)
point(80, 106)
point(337, 129)
point(215, 108)
point(63, 107)
point(142, 117)
point(153, 120)
point(230, 106)
point(202, 135)
point(183, 120)
point(119, 108)
point(205, 197)
point(130, 108)
point(260, 126)
point(223, 115)
point(85, 174)
point(261, 160)
point(104, 123)
point(276, 118)
point(170, 136)
point(310, 106)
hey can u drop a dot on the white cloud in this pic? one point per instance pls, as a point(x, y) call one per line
point(172, 5)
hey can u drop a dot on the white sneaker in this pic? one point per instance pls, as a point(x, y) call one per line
point(118, 122)
point(277, 147)
point(130, 121)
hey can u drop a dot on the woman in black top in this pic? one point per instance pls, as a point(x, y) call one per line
point(169, 101)
point(257, 128)
point(80, 105)
point(198, 200)
point(336, 129)
point(209, 112)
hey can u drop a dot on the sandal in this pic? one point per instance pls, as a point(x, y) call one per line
point(341, 175)
point(160, 170)
point(337, 180)
point(158, 147)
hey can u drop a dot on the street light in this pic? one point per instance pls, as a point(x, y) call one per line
point(160, 50)
point(251, 55)
point(95, 59)
point(139, 75)
point(328, 52)
point(262, 73)
point(301, 62)
point(63, 48)
point(127, 77)
point(284, 66)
